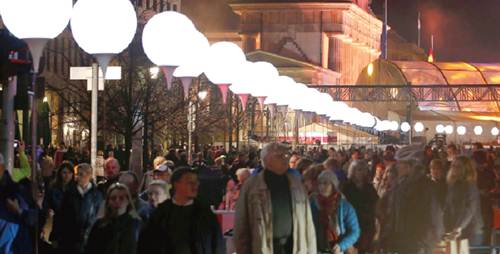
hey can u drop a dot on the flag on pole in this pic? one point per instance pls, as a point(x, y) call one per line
point(430, 58)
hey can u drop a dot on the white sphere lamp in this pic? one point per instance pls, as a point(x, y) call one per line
point(478, 130)
point(405, 127)
point(495, 131)
point(448, 129)
point(195, 62)
point(419, 127)
point(225, 59)
point(36, 22)
point(103, 28)
point(440, 128)
point(264, 82)
point(242, 85)
point(167, 39)
point(461, 130)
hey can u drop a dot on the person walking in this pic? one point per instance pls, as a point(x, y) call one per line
point(463, 208)
point(117, 230)
point(182, 225)
point(360, 193)
point(80, 205)
point(273, 214)
point(335, 220)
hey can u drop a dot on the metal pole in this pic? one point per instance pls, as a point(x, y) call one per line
point(190, 132)
point(384, 33)
point(7, 139)
point(93, 131)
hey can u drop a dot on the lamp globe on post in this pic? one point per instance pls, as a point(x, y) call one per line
point(195, 62)
point(478, 130)
point(495, 131)
point(35, 22)
point(167, 39)
point(440, 128)
point(226, 59)
point(419, 127)
point(448, 129)
point(103, 28)
point(266, 80)
point(243, 84)
point(461, 130)
point(405, 127)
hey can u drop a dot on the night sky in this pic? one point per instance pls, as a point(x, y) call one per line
point(464, 30)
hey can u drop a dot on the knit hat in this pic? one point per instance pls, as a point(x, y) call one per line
point(331, 177)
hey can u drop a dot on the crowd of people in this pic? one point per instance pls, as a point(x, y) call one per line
point(308, 200)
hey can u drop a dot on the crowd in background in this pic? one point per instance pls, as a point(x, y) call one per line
point(307, 200)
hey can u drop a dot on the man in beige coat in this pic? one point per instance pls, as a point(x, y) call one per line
point(273, 215)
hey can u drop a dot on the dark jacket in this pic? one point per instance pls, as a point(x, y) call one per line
point(114, 236)
point(79, 213)
point(364, 201)
point(205, 231)
point(414, 215)
point(463, 209)
point(9, 223)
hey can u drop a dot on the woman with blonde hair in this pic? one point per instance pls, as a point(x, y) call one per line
point(117, 230)
point(463, 211)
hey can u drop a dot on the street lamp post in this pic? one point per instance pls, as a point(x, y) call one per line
point(102, 29)
point(46, 20)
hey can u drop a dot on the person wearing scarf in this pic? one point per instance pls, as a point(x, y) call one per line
point(335, 219)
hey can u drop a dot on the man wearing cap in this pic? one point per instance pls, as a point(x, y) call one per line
point(182, 224)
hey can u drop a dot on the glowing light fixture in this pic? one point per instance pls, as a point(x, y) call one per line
point(461, 130)
point(495, 131)
point(448, 129)
point(478, 130)
point(419, 127)
point(405, 127)
point(439, 128)
point(369, 70)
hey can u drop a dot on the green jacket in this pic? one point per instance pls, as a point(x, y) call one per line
point(24, 171)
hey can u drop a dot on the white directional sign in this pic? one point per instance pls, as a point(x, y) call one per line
point(85, 73)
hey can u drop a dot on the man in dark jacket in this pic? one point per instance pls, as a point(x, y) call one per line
point(415, 215)
point(79, 208)
point(182, 225)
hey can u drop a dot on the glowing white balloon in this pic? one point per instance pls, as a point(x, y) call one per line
point(461, 130)
point(36, 19)
point(478, 130)
point(495, 131)
point(405, 127)
point(439, 128)
point(419, 127)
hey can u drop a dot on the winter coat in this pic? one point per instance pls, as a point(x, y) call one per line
point(364, 201)
point(414, 217)
point(253, 222)
point(347, 224)
point(205, 231)
point(78, 216)
point(10, 223)
point(114, 236)
point(463, 209)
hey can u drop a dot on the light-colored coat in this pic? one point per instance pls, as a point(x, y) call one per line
point(253, 222)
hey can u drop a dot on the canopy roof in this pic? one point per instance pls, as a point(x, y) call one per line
point(417, 73)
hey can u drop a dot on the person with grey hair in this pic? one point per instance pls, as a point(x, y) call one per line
point(360, 192)
point(273, 214)
point(336, 222)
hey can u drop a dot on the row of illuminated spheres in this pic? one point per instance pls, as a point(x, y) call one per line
point(172, 42)
point(440, 128)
